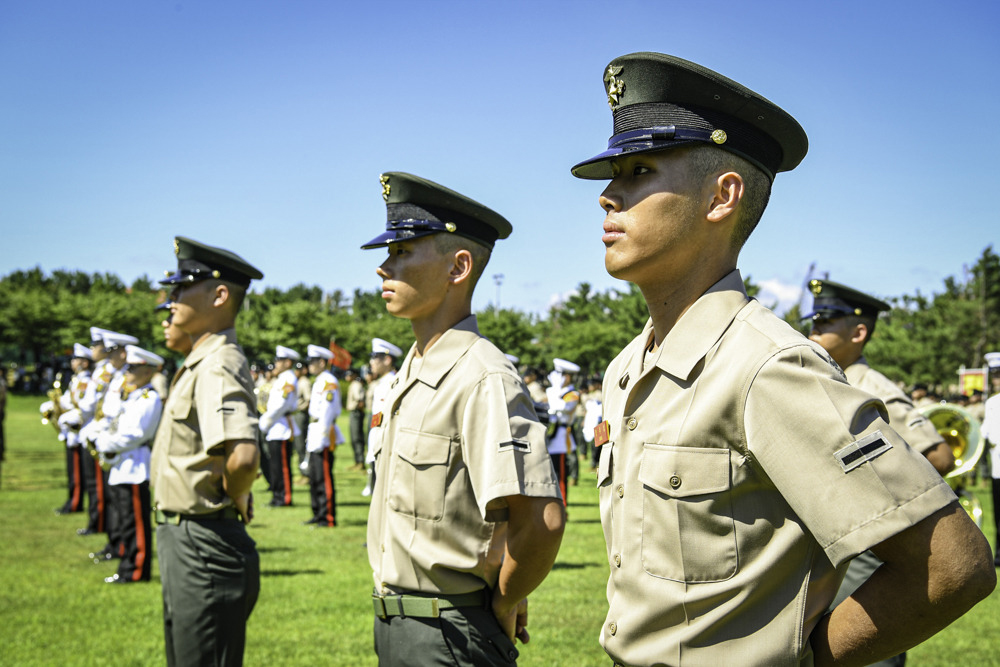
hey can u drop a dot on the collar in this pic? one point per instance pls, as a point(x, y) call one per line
point(211, 344)
point(445, 352)
point(696, 332)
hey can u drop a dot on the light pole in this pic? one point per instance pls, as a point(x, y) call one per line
point(498, 279)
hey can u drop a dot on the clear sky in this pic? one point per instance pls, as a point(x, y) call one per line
point(263, 127)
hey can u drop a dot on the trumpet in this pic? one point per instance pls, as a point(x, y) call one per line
point(962, 433)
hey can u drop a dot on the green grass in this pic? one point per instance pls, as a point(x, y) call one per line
point(314, 606)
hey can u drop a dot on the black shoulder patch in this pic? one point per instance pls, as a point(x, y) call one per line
point(860, 451)
point(515, 445)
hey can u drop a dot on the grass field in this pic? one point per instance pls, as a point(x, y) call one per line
point(314, 607)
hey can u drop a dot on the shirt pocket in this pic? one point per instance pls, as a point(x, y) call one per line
point(688, 530)
point(184, 431)
point(420, 472)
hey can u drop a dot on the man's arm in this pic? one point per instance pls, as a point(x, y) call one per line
point(933, 572)
point(941, 458)
point(535, 529)
point(242, 460)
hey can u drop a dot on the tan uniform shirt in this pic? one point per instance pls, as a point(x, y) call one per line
point(905, 419)
point(211, 401)
point(741, 470)
point(458, 435)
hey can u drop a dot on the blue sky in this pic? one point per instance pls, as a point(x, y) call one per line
point(263, 127)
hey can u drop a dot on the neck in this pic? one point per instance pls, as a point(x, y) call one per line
point(427, 330)
point(211, 328)
point(667, 302)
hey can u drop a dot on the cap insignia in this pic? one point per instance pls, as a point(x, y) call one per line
point(616, 87)
point(815, 287)
point(215, 274)
point(177, 249)
point(386, 189)
point(719, 136)
point(450, 226)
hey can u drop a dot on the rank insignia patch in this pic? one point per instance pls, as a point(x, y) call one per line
point(515, 445)
point(866, 449)
point(376, 420)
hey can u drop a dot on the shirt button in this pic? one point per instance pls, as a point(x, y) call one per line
point(618, 560)
point(612, 627)
point(675, 481)
point(623, 381)
point(382, 547)
point(621, 491)
point(632, 423)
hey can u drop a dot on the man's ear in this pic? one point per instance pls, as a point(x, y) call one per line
point(461, 267)
point(222, 295)
point(859, 333)
point(726, 191)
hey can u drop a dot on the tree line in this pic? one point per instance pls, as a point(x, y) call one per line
point(922, 339)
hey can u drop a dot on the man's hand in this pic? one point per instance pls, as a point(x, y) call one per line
point(534, 532)
point(244, 505)
point(514, 622)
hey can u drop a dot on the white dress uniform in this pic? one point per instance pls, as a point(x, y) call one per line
point(280, 429)
point(324, 408)
point(125, 444)
point(562, 400)
point(70, 422)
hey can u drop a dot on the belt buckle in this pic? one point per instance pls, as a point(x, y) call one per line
point(172, 518)
point(435, 609)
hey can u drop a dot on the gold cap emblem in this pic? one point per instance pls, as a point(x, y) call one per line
point(384, 180)
point(719, 136)
point(616, 87)
point(450, 226)
point(176, 247)
point(815, 286)
point(216, 274)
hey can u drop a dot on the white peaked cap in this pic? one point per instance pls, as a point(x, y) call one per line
point(380, 346)
point(97, 334)
point(115, 339)
point(317, 352)
point(282, 352)
point(136, 356)
point(564, 366)
point(82, 352)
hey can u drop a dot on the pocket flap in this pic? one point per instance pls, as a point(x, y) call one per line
point(180, 406)
point(684, 471)
point(604, 464)
point(423, 448)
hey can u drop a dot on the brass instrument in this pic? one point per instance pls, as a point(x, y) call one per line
point(962, 433)
point(263, 391)
point(51, 410)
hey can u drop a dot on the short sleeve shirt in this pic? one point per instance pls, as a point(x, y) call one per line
point(211, 402)
point(905, 419)
point(742, 472)
point(458, 435)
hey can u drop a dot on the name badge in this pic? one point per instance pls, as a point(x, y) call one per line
point(602, 434)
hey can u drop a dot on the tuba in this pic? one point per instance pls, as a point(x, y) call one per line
point(962, 433)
